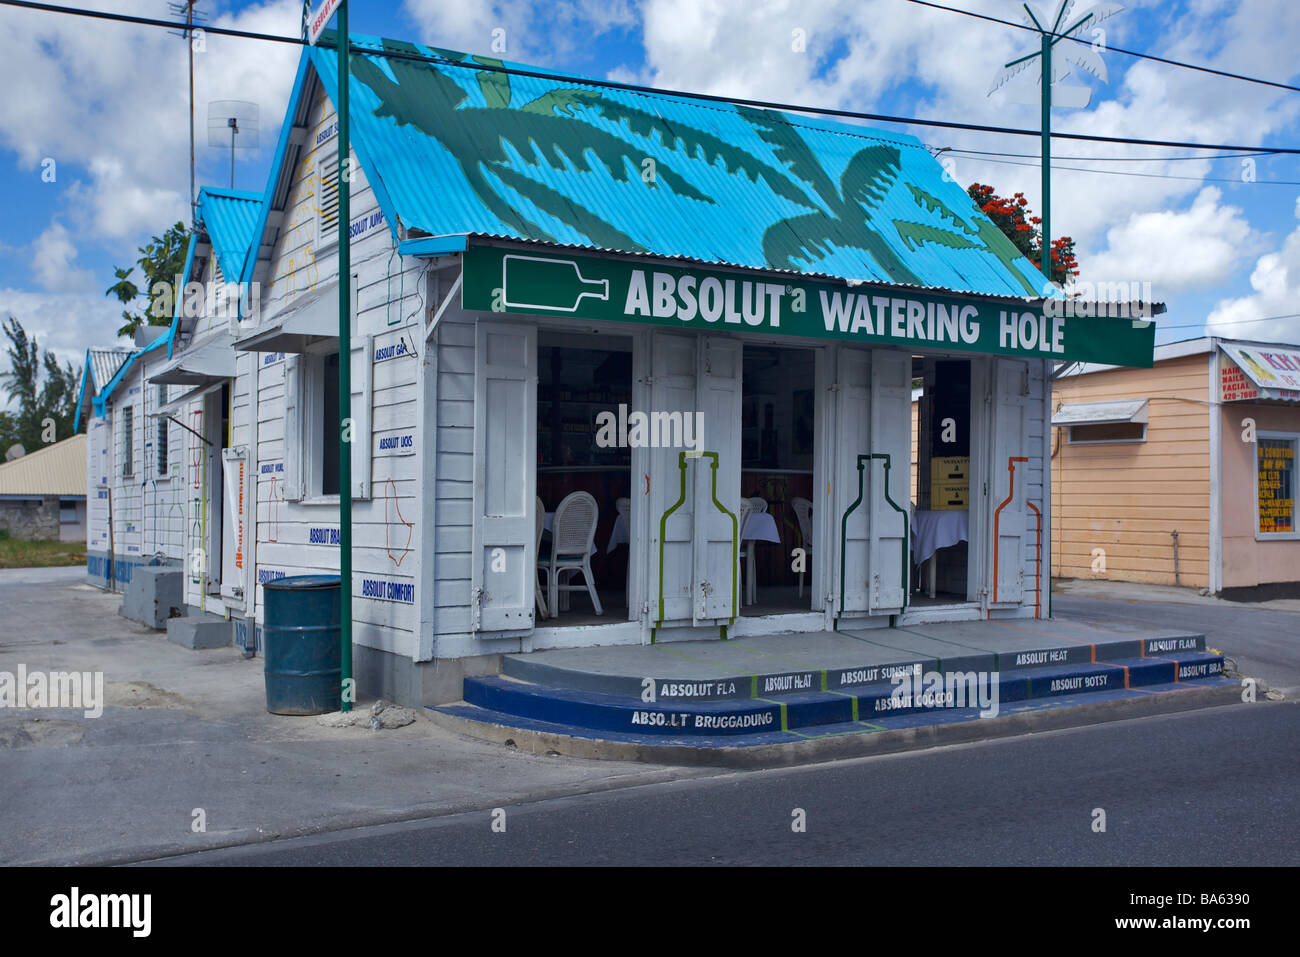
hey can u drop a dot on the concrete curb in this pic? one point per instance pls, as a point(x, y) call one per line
point(842, 746)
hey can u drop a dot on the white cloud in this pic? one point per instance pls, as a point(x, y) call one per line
point(875, 56)
point(67, 323)
point(109, 103)
point(1276, 281)
point(53, 253)
point(1176, 251)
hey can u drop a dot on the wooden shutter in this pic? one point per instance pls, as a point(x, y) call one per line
point(504, 548)
point(849, 522)
point(1010, 527)
point(293, 419)
point(362, 437)
point(673, 366)
point(891, 435)
point(716, 583)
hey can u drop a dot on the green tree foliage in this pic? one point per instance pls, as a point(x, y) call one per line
point(39, 388)
point(161, 261)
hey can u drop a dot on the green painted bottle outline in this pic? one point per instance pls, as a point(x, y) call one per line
point(543, 276)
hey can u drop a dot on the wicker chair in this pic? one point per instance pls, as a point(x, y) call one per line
point(572, 532)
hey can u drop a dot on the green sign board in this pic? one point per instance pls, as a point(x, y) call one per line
point(546, 283)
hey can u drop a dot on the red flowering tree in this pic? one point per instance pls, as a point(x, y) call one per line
point(1012, 217)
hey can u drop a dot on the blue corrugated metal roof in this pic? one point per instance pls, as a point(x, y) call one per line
point(460, 151)
point(104, 363)
point(230, 218)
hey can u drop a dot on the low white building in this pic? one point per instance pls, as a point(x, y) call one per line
point(532, 257)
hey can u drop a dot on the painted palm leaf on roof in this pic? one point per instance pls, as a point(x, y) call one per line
point(461, 150)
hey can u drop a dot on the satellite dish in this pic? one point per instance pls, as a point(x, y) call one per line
point(233, 125)
point(16, 451)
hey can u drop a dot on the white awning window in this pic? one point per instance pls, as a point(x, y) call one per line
point(309, 319)
point(175, 406)
point(206, 360)
point(1102, 413)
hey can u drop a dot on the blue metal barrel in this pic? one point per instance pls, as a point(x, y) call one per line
point(301, 633)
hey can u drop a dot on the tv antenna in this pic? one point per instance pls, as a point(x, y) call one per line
point(1051, 92)
point(187, 7)
point(233, 124)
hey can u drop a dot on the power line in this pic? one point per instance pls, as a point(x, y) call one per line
point(1104, 159)
point(1125, 172)
point(653, 91)
point(1133, 53)
point(1229, 322)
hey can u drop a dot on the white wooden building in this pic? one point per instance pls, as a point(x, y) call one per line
point(530, 257)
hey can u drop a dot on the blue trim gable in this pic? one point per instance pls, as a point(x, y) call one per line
point(281, 150)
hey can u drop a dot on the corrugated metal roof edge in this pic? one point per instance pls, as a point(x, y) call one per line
point(54, 447)
point(247, 196)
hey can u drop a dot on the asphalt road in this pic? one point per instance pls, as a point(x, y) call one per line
point(1176, 790)
point(1263, 642)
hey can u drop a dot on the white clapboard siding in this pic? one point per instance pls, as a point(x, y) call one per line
point(454, 491)
point(296, 534)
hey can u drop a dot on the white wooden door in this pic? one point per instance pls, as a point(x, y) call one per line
point(849, 517)
point(504, 547)
point(891, 437)
point(671, 560)
point(1008, 474)
point(716, 475)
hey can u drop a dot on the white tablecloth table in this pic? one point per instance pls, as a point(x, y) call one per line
point(933, 530)
point(761, 527)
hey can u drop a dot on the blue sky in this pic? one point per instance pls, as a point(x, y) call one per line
point(107, 103)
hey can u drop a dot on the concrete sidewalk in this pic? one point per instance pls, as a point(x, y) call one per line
point(1168, 594)
point(186, 730)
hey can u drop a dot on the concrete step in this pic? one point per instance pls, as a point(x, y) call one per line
point(932, 694)
point(709, 685)
point(879, 735)
point(201, 631)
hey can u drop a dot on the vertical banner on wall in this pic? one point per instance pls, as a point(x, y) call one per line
point(234, 466)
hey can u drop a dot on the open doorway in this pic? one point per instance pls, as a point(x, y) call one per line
point(778, 401)
point(941, 481)
point(583, 478)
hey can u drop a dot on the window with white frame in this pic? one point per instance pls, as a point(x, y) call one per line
point(320, 423)
point(160, 440)
point(128, 441)
point(1108, 432)
point(1275, 484)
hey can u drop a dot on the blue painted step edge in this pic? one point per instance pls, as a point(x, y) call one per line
point(812, 709)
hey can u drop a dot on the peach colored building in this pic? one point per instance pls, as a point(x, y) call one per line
point(1184, 473)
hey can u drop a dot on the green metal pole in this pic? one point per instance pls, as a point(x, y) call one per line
point(345, 371)
point(1047, 157)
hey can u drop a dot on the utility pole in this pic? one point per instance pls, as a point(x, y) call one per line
point(187, 7)
point(345, 364)
point(1081, 55)
point(313, 24)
